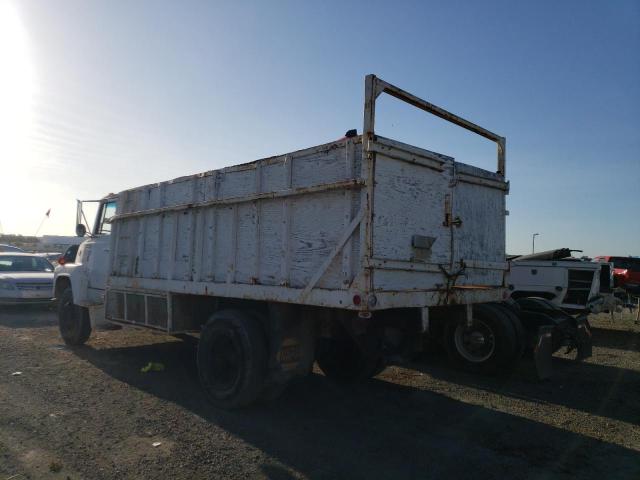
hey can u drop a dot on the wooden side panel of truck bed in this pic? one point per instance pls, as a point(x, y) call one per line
point(270, 222)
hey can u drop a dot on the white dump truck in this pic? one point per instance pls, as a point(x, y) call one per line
point(347, 253)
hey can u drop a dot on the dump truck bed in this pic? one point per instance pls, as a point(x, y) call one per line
point(362, 223)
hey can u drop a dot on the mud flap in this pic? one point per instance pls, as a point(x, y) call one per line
point(543, 351)
point(583, 339)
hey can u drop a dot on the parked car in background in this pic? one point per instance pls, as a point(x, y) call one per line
point(25, 278)
point(9, 248)
point(626, 271)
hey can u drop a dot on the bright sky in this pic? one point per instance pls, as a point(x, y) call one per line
point(98, 96)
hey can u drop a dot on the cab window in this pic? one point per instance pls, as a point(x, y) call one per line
point(106, 213)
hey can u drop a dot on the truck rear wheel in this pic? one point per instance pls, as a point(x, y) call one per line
point(73, 320)
point(232, 359)
point(490, 344)
point(342, 359)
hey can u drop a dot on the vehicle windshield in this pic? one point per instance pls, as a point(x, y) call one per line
point(24, 263)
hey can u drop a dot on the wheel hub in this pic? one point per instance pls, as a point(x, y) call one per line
point(476, 338)
point(226, 363)
point(475, 342)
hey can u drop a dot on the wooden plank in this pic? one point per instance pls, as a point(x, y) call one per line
point(192, 237)
point(142, 231)
point(348, 204)
point(286, 227)
point(161, 239)
point(173, 244)
point(258, 214)
point(125, 263)
point(213, 231)
point(211, 268)
point(290, 192)
point(200, 235)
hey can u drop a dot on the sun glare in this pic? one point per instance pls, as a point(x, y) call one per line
point(16, 86)
point(17, 89)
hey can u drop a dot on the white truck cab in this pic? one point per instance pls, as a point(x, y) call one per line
point(86, 278)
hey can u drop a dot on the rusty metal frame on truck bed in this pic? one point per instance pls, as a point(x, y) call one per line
point(374, 86)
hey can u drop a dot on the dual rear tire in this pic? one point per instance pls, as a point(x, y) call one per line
point(494, 342)
point(232, 359)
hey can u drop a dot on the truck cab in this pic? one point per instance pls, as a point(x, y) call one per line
point(86, 277)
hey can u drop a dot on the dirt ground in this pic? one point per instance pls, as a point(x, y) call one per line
point(90, 413)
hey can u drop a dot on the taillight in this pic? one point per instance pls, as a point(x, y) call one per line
point(61, 261)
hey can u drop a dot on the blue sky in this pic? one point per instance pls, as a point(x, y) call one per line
point(127, 93)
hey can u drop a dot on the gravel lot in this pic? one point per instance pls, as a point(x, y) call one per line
point(90, 413)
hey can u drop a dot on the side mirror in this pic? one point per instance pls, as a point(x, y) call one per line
point(81, 230)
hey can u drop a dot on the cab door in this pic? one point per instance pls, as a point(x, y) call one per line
point(97, 252)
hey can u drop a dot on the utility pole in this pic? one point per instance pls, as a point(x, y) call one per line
point(533, 242)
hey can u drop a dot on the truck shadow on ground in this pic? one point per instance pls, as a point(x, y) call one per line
point(591, 388)
point(377, 429)
point(618, 339)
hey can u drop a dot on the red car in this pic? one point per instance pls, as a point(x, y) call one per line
point(626, 271)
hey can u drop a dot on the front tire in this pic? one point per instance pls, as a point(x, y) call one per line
point(73, 320)
point(232, 359)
